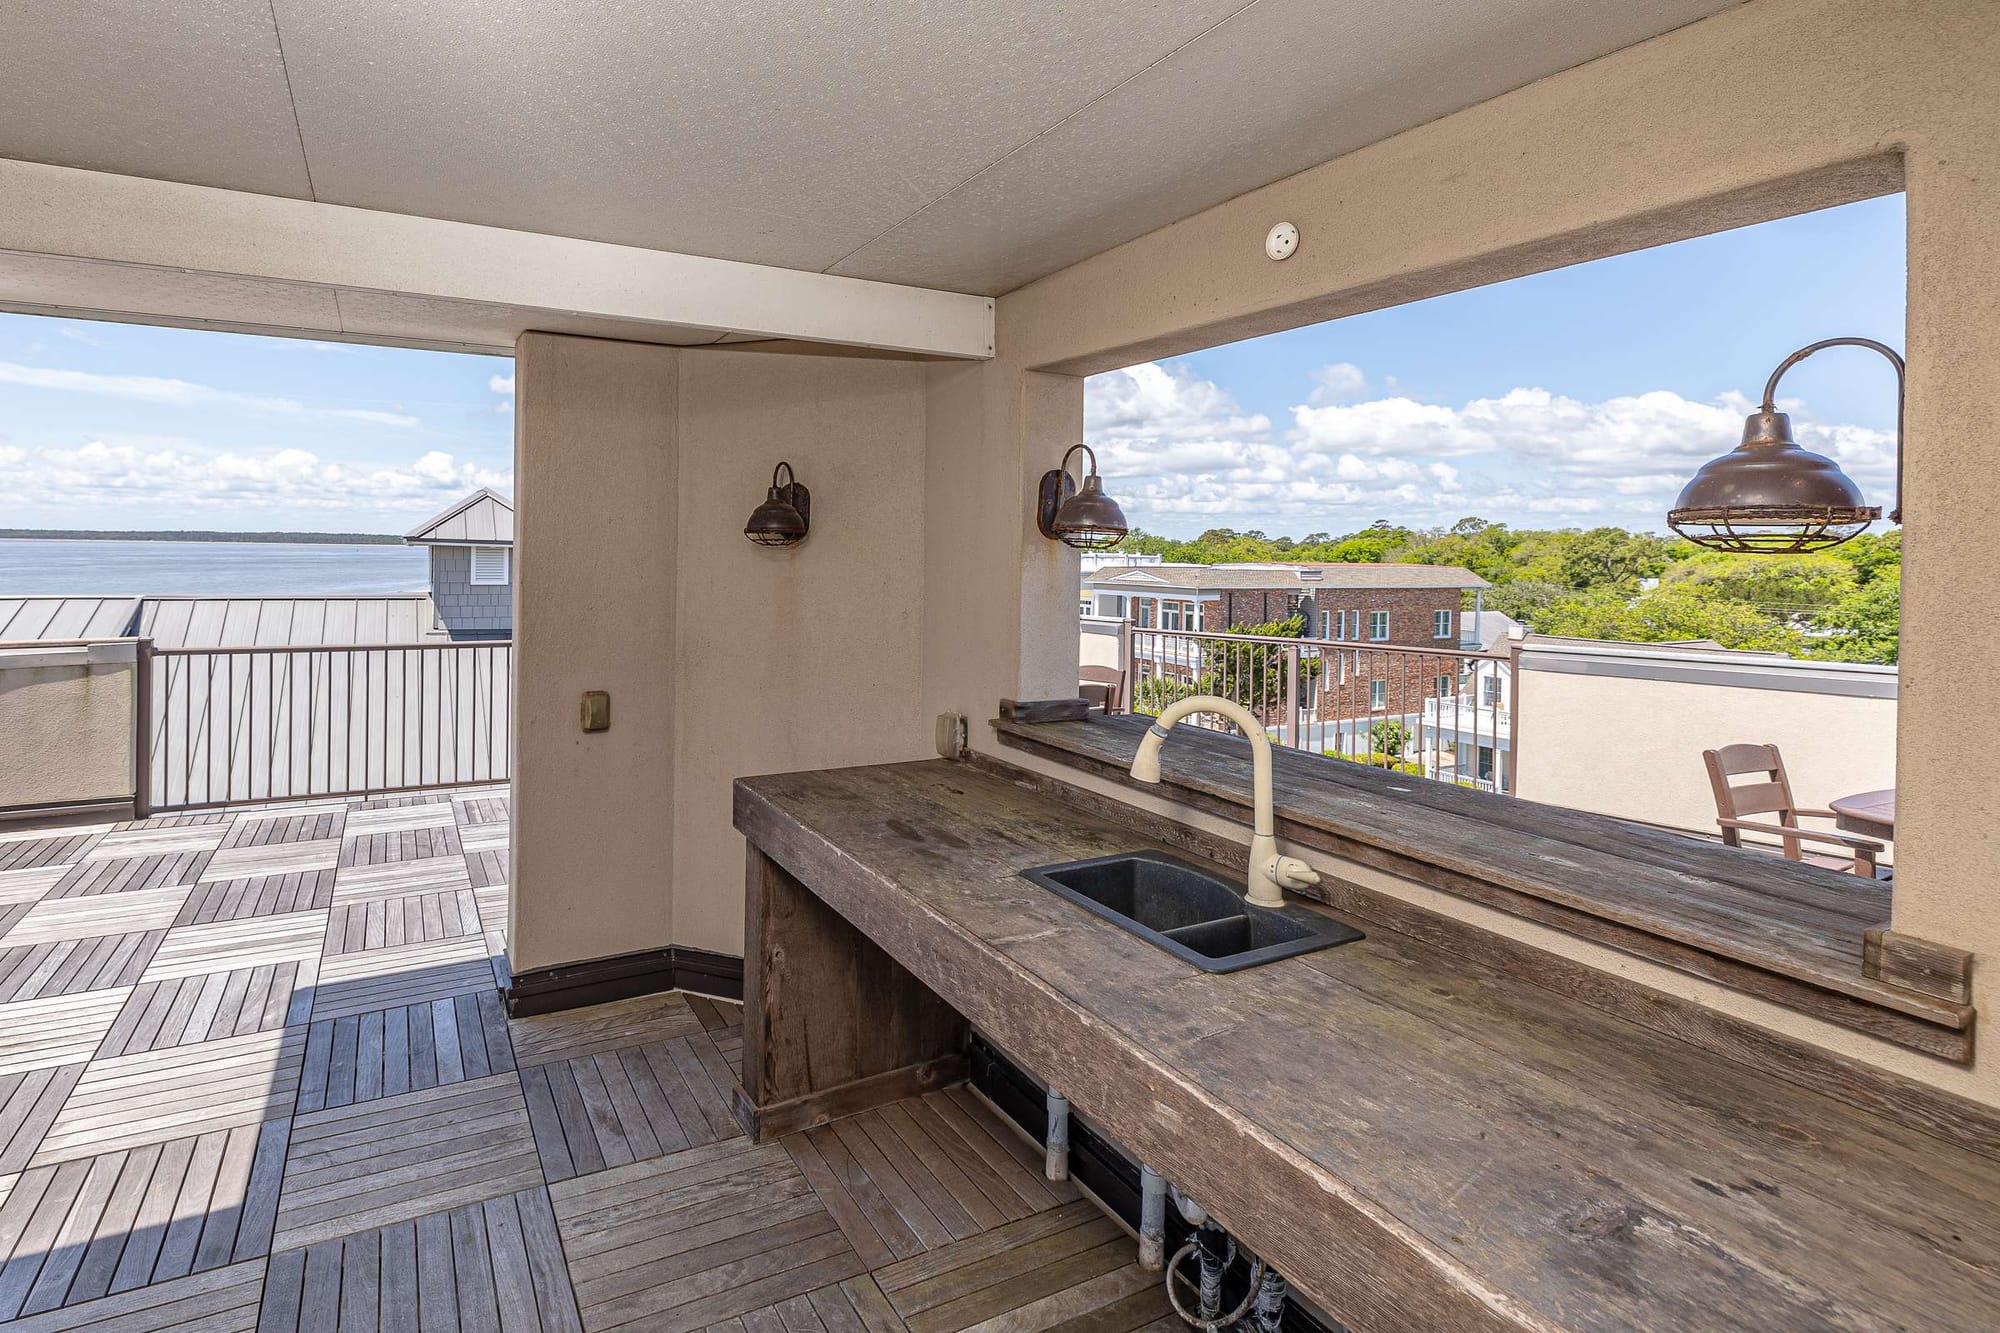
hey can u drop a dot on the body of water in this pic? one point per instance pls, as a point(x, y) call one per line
point(159, 569)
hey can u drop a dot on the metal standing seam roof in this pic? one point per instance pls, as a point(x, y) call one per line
point(1286, 578)
point(245, 622)
point(483, 518)
point(25, 619)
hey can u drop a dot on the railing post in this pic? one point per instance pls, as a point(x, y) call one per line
point(142, 729)
point(1292, 697)
point(1126, 667)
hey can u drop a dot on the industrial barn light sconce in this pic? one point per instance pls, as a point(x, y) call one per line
point(786, 514)
point(1767, 496)
point(1087, 519)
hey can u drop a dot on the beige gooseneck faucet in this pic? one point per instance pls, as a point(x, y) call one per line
point(1270, 871)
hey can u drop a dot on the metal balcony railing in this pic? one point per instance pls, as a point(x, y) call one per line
point(1413, 709)
point(221, 726)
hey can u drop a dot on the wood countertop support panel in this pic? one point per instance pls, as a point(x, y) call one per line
point(1790, 934)
point(1417, 1139)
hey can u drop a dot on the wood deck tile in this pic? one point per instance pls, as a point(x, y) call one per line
point(28, 885)
point(299, 826)
point(355, 983)
point(491, 1265)
point(602, 1027)
point(483, 810)
point(394, 879)
point(696, 1238)
point(176, 1092)
point(222, 1300)
point(407, 1048)
point(1042, 1272)
point(485, 837)
point(126, 873)
point(186, 1010)
point(29, 1101)
point(105, 914)
point(64, 967)
point(92, 1227)
point(394, 1159)
point(154, 840)
point(294, 937)
point(854, 1306)
point(59, 1030)
point(487, 869)
point(263, 895)
point(284, 858)
point(422, 814)
point(609, 1108)
point(385, 923)
point(396, 846)
point(30, 848)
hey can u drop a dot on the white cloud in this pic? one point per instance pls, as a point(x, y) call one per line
point(184, 393)
point(173, 474)
point(1189, 456)
point(501, 384)
point(1337, 383)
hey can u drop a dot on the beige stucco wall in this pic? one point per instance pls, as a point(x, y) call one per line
point(596, 468)
point(1765, 109)
point(789, 659)
point(636, 468)
point(66, 724)
point(1632, 747)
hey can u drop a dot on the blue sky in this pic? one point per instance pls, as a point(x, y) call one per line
point(126, 426)
point(1578, 397)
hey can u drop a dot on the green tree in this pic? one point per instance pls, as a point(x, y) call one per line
point(1390, 736)
point(1782, 586)
point(1862, 626)
point(1674, 613)
point(1612, 557)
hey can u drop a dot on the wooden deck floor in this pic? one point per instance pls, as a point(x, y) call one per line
point(255, 1075)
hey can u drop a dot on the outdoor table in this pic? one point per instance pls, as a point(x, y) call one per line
point(1867, 814)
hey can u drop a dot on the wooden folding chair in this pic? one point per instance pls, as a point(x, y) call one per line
point(1772, 795)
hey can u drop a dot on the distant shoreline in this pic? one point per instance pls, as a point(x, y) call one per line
point(279, 538)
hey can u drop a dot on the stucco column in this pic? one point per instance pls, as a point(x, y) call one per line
point(1000, 598)
point(596, 445)
point(1947, 828)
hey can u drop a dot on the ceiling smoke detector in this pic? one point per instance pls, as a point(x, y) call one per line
point(1281, 241)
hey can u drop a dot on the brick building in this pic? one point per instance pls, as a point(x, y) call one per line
point(1387, 637)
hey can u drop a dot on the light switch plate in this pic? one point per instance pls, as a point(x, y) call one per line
point(596, 710)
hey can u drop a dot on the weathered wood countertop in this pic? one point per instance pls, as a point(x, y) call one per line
point(1418, 1141)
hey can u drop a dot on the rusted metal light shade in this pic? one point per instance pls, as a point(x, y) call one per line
point(1087, 519)
point(786, 514)
point(1768, 496)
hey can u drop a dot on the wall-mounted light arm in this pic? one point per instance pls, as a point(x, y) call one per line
point(1767, 496)
point(1894, 358)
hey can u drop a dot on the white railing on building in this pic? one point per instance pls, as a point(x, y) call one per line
point(1415, 709)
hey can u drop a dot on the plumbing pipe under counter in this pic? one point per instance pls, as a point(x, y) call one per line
point(1416, 1139)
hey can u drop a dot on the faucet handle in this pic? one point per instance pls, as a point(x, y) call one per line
point(1293, 873)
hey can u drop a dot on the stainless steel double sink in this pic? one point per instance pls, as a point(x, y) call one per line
point(1189, 912)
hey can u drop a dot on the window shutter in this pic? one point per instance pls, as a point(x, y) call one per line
point(489, 564)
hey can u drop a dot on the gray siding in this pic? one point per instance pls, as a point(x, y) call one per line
point(468, 611)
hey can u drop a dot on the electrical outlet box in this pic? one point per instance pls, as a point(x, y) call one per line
point(596, 710)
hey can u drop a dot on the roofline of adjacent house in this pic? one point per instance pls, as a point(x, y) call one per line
point(414, 536)
point(1461, 579)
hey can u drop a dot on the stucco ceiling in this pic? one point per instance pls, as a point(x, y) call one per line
point(967, 146)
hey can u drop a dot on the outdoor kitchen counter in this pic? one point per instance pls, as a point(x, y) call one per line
point(1416, 1140)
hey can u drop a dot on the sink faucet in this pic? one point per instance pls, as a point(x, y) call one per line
point(1270, 872)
